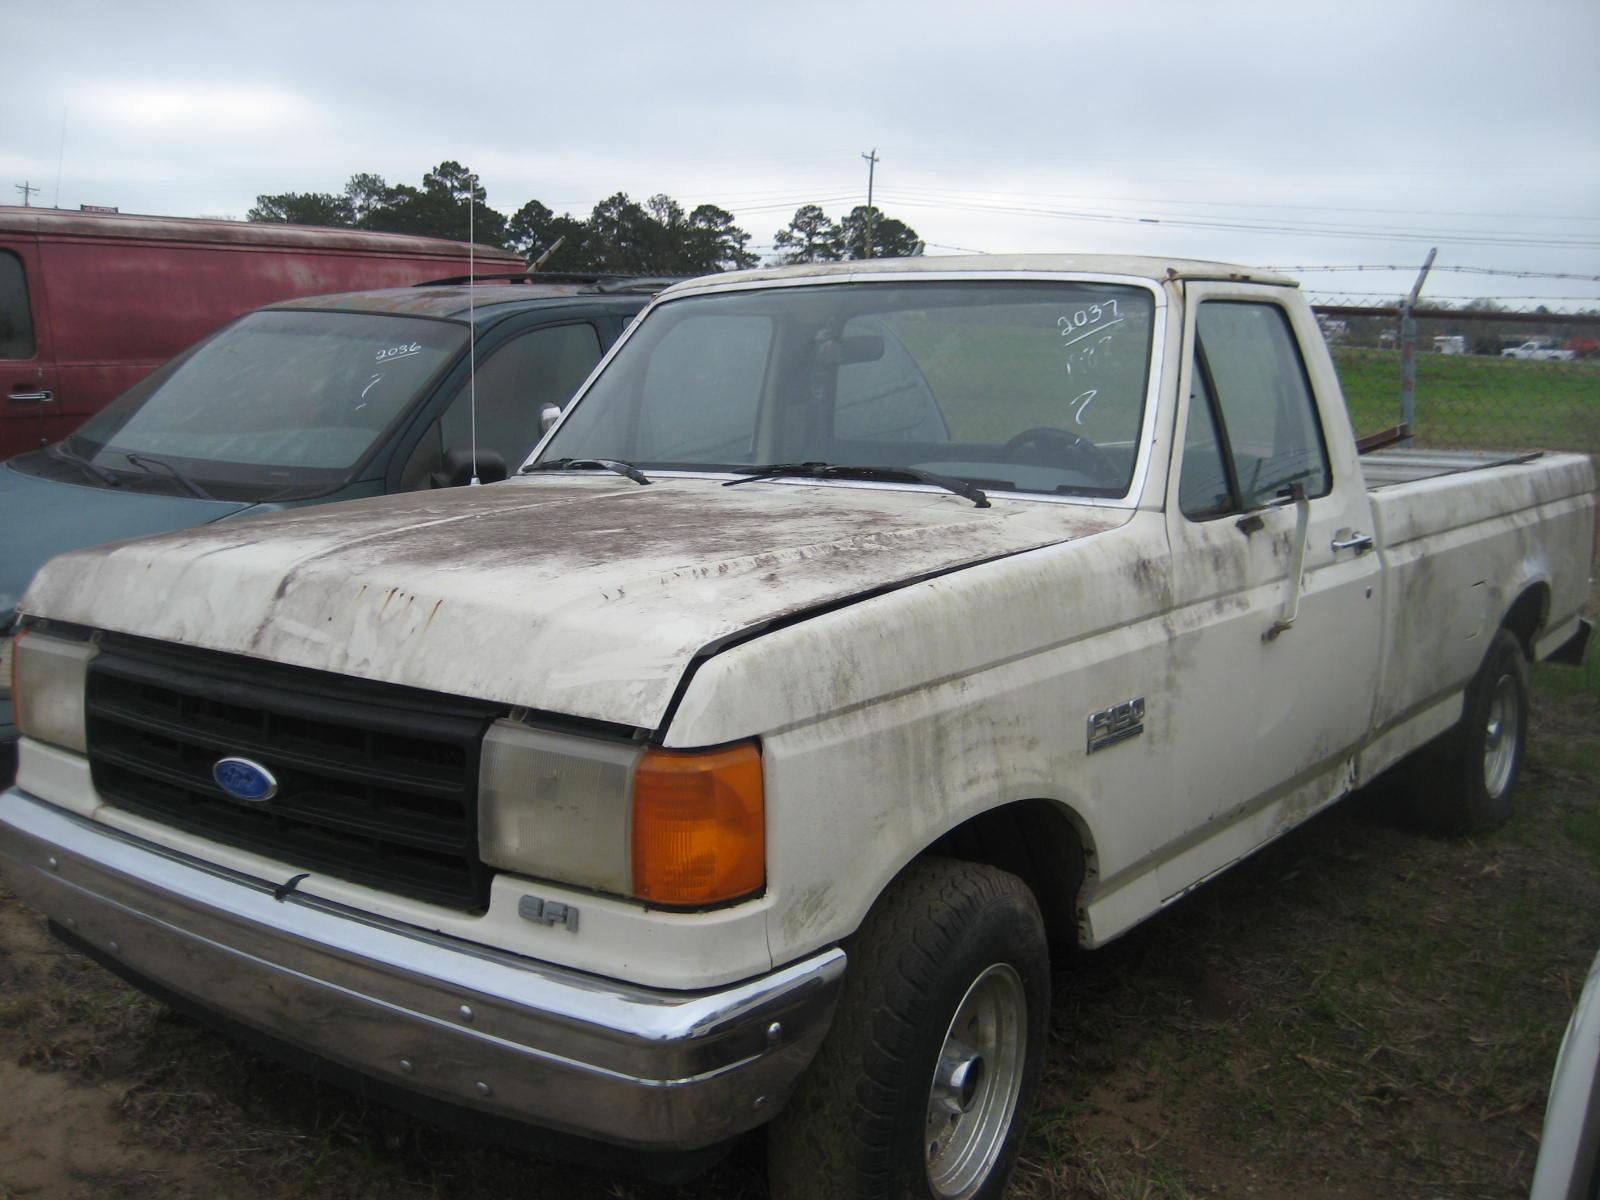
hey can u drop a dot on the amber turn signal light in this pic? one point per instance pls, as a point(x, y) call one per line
point(699, 826)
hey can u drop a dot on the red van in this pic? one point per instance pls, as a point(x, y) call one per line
point(90, 303)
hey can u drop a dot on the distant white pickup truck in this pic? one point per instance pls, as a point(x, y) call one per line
point(858, 634)
point(1538, 352)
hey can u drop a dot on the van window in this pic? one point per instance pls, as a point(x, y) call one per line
point(16, 319)
point(532, 370)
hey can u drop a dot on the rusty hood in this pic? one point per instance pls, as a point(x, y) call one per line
point(582, 595)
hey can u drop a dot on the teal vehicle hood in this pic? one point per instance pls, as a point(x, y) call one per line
point(41, 518)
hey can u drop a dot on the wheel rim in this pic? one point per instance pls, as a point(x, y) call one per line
point(976, 1081)
point(1500, 737)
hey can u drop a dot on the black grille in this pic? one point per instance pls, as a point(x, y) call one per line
point(377, 784)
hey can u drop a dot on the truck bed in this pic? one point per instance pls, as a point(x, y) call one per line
point(1459, 540)
point(1385, 468)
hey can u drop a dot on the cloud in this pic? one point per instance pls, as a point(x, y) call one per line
point(1366, 117)
point(195, 109)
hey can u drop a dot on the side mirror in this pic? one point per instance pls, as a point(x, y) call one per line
point(456, 469)
point(548, 416)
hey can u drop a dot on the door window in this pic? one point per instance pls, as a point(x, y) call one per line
point(1252, 431)
point(514, 384)
point(16, 319)
point(1203, 487)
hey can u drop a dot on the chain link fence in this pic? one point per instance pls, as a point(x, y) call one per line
point(1501, 378)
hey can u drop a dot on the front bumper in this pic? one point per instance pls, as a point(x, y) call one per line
point(436, 1016)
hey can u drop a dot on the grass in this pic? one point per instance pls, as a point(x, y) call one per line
point(1477, 402)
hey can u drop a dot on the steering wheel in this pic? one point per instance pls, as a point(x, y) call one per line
point(1057, 443)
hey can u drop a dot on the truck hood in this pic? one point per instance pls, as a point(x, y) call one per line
point(581, 595)
point(45, 517)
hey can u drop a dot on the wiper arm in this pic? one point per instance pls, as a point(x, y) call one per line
point(588, 464)
point(820, 470)
point(147, 464)
point(104, 476)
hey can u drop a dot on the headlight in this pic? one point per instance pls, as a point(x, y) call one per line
point(47, 681)
point(676, 828)
point(556, 806)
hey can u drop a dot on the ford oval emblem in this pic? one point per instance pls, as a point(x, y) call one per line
point(244, 780)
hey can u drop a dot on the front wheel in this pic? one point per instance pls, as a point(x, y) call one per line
point(1462, 782)
point(923, 1086)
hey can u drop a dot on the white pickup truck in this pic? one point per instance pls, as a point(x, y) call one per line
point(1537, 352)
point(860, 633)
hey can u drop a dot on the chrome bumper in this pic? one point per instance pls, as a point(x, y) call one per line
point(436, 1016)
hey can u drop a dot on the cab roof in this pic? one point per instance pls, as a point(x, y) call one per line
point(1086, 264)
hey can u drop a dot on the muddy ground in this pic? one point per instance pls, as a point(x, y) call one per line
point(1358, 1011)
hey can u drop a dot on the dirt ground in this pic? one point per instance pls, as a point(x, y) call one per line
point(1357, 1011)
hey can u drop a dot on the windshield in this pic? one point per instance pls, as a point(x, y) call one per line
point(279, 403)
point(1032, 387)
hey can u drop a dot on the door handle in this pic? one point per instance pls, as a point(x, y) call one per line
point(1359, 542)
point(41, 397)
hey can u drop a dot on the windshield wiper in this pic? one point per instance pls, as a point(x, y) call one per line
point(822, 470)
point(588, 464)
point(146, 464)
point(60, 451)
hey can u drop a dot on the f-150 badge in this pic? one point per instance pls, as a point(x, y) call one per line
point(1116, 724)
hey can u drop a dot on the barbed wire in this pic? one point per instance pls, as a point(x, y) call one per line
point(1436, 268)
point(1435, 300)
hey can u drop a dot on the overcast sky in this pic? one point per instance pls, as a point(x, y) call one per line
point(1274, 133)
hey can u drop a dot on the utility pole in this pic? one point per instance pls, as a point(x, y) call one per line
point(27, 189)
point(872, 166)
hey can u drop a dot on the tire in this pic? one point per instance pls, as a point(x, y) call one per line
point(1462, 782)
point(948, 939)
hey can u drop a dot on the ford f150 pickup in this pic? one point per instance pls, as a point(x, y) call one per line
point(859, 634)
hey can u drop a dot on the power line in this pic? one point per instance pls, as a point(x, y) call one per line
point(27, 189)
point(1483, 237)
point(1479, 238)
point(980, 196)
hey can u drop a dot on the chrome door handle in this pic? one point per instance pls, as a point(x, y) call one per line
point(32, 397)
point(1359, 542)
